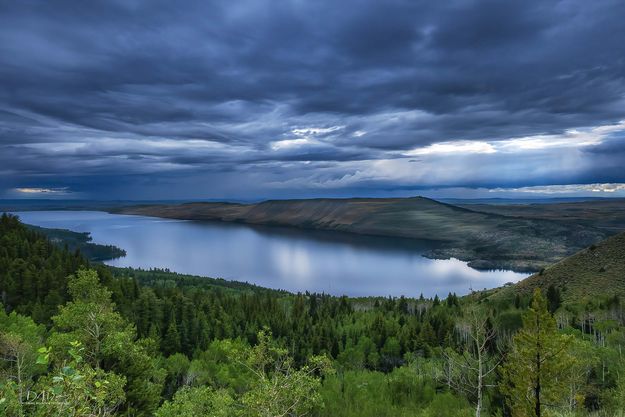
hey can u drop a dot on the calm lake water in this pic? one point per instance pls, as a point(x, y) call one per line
point(290, 259)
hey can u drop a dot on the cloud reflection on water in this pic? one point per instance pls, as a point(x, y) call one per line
point(290, 259)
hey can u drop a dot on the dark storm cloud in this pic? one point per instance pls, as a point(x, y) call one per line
point(100, 92)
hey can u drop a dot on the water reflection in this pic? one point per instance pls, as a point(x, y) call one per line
point(291, 259)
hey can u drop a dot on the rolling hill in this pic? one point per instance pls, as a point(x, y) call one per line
point(596, 271)
point(485, 240)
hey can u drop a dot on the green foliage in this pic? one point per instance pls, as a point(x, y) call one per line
point(369, 394)
point(199, 401)
point(89, 318)
point(19, 339)
point(171, 341)
point(407, 391)
point(553, 298)
point(75, 388)
point(108, 341)
point(449, 406)
point(278, 388)
point(33, 271)
point(275, 388)
point(122, 341)
point(216, 367)
point(10, 399)
point(536, 374)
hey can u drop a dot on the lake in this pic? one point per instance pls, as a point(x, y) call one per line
point(274, 257)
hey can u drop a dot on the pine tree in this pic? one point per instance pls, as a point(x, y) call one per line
point(553, 298)
point(536, 371)
point(171, 341)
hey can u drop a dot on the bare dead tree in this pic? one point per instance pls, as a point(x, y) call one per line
point(15, 351)
point(468, 372)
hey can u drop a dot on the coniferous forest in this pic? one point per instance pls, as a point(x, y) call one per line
point(312, 208)
point(83, 339)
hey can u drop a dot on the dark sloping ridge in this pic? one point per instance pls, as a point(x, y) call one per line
point(487, 241)
point(597, 271)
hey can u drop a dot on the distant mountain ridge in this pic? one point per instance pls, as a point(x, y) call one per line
point(485, 240)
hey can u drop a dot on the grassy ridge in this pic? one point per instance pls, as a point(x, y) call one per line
point(595, 272)
point(485, 240)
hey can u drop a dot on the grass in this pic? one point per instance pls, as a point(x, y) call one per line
point(596, 271)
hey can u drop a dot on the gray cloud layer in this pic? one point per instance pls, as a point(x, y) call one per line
point(221, 98)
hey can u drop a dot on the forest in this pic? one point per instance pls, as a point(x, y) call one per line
point(78, 338)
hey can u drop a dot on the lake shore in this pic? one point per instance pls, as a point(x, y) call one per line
point(277, 257)
point(486, 241)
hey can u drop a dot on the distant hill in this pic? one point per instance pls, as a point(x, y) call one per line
point(486, 240)
point(606, 213)
point(596, 271)
point(510, 201)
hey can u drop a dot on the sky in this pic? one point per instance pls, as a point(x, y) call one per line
point(254, 99)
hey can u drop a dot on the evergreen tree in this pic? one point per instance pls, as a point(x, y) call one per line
point(437, 301)
point(108, 342)
point(536, 370)
point(171, 341)
point(553, 298)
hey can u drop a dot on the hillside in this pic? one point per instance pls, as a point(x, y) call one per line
point(597, 271)
point(608, 214)
point(486, 240)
